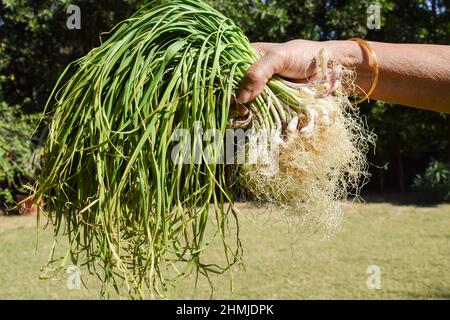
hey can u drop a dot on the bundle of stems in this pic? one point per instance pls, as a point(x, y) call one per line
point(134, 214)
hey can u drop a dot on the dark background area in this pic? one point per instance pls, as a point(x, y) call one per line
point(36, 45)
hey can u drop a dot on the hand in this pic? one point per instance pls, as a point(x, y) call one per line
point(294, 60)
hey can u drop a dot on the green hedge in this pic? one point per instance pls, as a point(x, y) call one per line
point(19, 153)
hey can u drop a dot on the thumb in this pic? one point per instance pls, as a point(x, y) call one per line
point(258, 75)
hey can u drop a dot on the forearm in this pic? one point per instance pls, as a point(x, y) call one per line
point(409, 74)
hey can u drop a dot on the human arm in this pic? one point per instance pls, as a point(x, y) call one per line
point(409, 74)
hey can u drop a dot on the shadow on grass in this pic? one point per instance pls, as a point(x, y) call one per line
point(407, 198)
point(440, 293)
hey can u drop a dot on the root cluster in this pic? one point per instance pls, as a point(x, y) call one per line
point(312, 163)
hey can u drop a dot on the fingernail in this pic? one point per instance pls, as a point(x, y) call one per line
point(244, 96)
point(243, 111)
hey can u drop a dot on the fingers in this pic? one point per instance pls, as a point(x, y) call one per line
point(259, 74)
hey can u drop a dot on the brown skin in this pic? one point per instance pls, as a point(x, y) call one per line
point(413, 75)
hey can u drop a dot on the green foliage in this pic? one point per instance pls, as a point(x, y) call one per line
point(19, 159)
point(249, 14)
point(283, 20)
point(36, 45)
point(435, 181)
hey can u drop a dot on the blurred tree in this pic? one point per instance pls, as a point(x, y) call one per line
point(35, 43)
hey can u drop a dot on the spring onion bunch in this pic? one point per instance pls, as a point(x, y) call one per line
point(136, 215)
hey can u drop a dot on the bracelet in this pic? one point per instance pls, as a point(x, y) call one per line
point(366, 46)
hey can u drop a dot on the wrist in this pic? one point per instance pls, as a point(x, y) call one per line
point(346, 52)
point(349, 54)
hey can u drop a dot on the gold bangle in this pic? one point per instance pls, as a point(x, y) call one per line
point(372, 54)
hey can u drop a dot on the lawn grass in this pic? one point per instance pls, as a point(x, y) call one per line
point(410, 244)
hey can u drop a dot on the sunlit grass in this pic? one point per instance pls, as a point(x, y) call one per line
point(410, 244)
